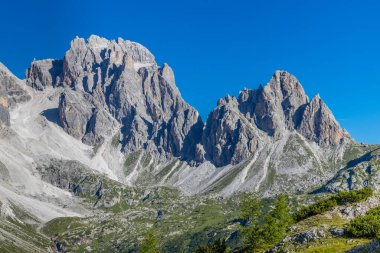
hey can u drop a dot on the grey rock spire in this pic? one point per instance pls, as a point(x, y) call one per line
point(317, 123)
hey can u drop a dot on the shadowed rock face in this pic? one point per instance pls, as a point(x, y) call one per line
point(44, 73)
point(117, 85)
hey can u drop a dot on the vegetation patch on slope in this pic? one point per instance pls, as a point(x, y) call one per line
point(324, 205)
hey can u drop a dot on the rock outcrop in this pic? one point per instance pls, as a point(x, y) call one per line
point(318, 124)
point(44, 73)
point(229, 137)
point(12, 87)
point(4, 111)
point(274, 108)
point(82, 117)
point(11, 93)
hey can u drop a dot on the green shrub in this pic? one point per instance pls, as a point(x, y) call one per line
point(343, 198)
point(367, 226)
point(324, 205)
point(219, 246)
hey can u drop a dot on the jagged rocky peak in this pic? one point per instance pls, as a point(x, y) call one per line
point(98, 49)
point(282, 105)
point(96, 55)
point(116, 85)
point(115, 49)
point(319, 124)
point(237, 128)
point(274, 107)
point(120, 79)
point(288, 92)
point(228, 136)
point(285, 87)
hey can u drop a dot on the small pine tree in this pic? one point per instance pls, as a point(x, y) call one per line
point(281, 211)
point(277, 221)
point(262, 230)
point(250, 209)
point(251, 214)
point(149, 244)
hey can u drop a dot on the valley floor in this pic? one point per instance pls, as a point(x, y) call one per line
point(181, 224)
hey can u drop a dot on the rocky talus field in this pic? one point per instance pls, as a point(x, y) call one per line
point(98, 148)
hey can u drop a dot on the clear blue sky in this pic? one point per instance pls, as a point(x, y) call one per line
point(219, 47)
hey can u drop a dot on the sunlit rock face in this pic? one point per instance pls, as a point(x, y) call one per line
point(111, 86)
point(238, 127)
point(117, 84)
point(11, 93)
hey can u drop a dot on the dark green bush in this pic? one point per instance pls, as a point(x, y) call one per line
point(314, 209)
point(219, 246)
point(343, 198)
point(324, 205)
point(367, 226)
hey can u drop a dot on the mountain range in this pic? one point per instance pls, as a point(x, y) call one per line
point(108, 110)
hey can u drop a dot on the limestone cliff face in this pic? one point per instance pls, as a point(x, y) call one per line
point(12, 87)
point(82, 117)
point(274, 108)
point(4, 111)
point(229, 137)
point(317, 123)
point(119, 80)
point(116, 85)
point(11, 93)
point(44, 73)
point(237, 128)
